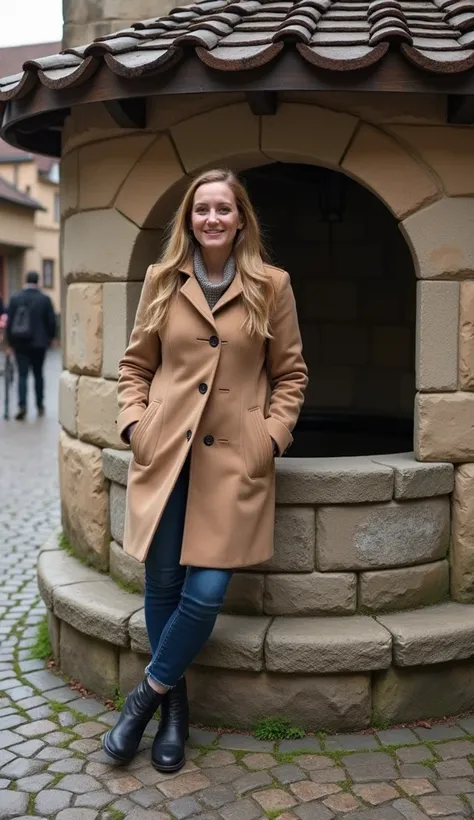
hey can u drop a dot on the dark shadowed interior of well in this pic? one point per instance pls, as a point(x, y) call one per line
point(355, 288)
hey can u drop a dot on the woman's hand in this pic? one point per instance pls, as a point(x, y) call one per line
point(130, 429)
point(275, 448)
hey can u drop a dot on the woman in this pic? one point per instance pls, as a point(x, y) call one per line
point(210, 389)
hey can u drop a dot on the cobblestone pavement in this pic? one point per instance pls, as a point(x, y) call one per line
point(51, 763)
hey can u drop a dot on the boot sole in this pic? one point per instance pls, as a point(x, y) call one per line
point(112, 754)
point(169, 769)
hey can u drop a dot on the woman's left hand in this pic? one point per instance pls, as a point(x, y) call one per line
point(275, 448)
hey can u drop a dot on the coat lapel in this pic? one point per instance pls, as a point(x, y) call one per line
point(193, 292)
point(234, 290)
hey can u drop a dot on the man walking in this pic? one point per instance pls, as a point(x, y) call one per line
point(31, 328)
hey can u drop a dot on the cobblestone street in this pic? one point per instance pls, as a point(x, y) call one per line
point(51, 762)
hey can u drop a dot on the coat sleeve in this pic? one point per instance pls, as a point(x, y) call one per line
point(286, 367)
point(138, 365)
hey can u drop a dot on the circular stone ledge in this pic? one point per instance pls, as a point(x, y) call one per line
point(321, 672)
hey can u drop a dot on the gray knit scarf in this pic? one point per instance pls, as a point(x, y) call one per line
point(213, 290)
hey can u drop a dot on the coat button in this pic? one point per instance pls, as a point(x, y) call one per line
point(188, 434)
point(208, 440)
point(213, 341)
point(203, 388)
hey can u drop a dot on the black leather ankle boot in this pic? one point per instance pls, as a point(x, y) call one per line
point(123, 740)
point(167, 752)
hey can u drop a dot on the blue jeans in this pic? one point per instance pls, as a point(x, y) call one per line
point(181, 603)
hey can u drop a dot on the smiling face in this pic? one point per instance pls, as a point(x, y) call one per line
point(215, 218)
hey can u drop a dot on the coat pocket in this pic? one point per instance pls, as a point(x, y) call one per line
point(258, 450)
point(146, 434)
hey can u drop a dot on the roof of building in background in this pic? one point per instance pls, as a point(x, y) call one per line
point(9, 193)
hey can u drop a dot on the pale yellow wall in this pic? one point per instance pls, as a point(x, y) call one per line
point(16, 226)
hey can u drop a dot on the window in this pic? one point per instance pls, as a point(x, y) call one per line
point(48, 273)
point(57, 208)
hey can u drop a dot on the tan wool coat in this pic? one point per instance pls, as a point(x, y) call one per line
point(206, 384)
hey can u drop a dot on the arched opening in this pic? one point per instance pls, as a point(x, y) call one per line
point(355, 288)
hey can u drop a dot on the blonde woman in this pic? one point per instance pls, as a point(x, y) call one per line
point(210, 388)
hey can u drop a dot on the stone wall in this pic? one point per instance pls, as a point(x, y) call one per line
point(84, 20)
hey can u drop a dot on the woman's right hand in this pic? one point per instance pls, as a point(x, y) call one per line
point(130, 429)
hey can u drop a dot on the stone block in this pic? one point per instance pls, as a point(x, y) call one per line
point(235, 643)
point(84, 329)
point(382, 535)
point(447, 150)
point(120, 306)
point(440, 237)
point(403, 588)
point(54, 632)
point(438, 634)
point(307, 133)
point(382, 165)
point(402, 694)
point(117, 501)
point(68, 401)
point(138, 634)
point(157, 171)
point(327, 645)
point(125, 568)
point(58, 569)
point(437, 329)
point(84, 499)
point(443, 427)
point(466, 337)
point(87, 254)
point(97, 411)
point(462, 538)
point(316, 702)
point(229, 134)
point(93, 662)
point(310, 594)
point(103, 167)
point(69, 183)
point(115, 464)
point(131, 669)
point(294, 541)
point(100, 609)
point(417, 479)
point(244, 594)
point(332, 481)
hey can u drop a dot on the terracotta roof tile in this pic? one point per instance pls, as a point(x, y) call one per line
point(436, 35)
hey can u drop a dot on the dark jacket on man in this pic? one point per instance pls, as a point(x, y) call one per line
point(42, 318)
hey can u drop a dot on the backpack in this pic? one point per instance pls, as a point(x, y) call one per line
point(21, 331)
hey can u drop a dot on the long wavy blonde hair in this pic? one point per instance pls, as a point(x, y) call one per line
point(257, 287)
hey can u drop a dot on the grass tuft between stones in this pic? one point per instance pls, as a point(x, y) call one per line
point(41, 649)
point(114, 814)
point(31, 804)
point(277, 728)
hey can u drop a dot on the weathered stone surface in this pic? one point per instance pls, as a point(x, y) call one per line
point(54, 628)
point(157, 171)
point(293, 541)
point(437, 333)
point(436, 635)
point(230, 133)
point(58, 569)
point(441, 239)
point(466, 337)
point(138, 634)
point(462, 538)
point(97, 411)
point(244, 594)
point(417, 479)
point(307, 133)
point(117, 500)
point(115, 464)
point(84, 499)
point(326, 645)
point(100, 609)
point(95, 663)
point(443, 426)
point(103, 166)
point(381, 164)
point(219, 696)
point(446, 151)
point(311, 594)
point(84, 329)
point(403, 588)
point(68, 402)
point(403, 694)
point(69, 187)
point(235, 643)
point(332, 481)
point(125, 567)
point(120, 306)
point(86, 253)
point(131, 668)
point(382, 535)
